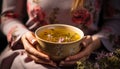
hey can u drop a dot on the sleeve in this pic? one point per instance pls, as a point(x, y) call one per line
point(37, 16)
point(110, 31)
point(12, 26)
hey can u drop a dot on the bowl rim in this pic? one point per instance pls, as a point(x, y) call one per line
point(50, 25)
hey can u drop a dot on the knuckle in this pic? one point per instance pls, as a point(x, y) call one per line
point(88, 36)
point(23, 37)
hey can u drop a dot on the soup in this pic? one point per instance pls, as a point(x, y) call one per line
point(59, 35)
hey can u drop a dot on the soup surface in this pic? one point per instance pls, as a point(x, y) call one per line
point(59, 35)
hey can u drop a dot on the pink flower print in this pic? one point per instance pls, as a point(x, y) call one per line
point(11, 14)
point(37, 11)
point(82, 16)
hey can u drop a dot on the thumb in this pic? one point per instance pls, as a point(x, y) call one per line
point(81, 54)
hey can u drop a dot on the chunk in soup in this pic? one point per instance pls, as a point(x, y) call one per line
point(59, 35)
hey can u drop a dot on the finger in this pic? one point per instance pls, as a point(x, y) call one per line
point(95, 44)
point(77, 57)
point(86, 41)
point(35, 26)
point(37, 60)
point(74, 62)
point(67, 63)
point(31, 22)
point(31, 50)
point(31, 38)
point(84, 53)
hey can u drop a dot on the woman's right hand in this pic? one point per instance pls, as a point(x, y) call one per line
point(29, 41)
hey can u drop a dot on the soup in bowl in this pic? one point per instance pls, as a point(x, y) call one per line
point(59, 40)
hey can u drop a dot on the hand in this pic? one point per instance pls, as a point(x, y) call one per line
point(90, 43)
point(29, 41)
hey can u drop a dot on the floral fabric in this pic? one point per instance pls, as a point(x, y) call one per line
point(42, 12)
point(96, 17)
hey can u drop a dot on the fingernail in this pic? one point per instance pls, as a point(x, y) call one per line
point(61, 63)
point(67, 59)
point(47, 59)
point(84, 44)
point(53, 64)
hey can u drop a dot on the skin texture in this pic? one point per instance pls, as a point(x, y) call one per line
point(29, 42)
point(89, 43)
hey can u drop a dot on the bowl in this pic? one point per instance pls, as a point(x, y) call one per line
point(59, 40)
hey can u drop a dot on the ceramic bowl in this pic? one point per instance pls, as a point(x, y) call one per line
point(59, 48)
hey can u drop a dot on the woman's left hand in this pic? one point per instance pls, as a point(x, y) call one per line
point(90, 43)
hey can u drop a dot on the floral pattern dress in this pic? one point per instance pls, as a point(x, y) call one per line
point(95, 17)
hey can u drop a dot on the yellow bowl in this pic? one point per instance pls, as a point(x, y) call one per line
point(59, 40)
